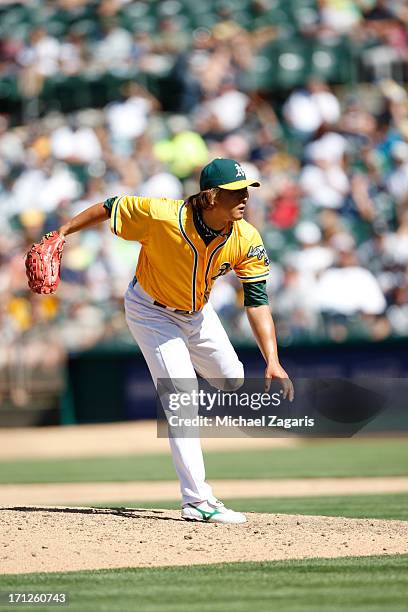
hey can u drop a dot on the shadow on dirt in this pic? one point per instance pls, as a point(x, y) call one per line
point(132, 513)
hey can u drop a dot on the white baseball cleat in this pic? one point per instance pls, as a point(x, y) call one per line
point(208, 512)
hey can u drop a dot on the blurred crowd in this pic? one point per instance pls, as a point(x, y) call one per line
point(42, 39)
point(333, 163)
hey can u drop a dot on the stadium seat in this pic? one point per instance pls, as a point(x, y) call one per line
point(293, 63)
point(331, 63)
point(262, 73)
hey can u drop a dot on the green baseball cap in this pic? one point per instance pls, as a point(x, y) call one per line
point(225, 173)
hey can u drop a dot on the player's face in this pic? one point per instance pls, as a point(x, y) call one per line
point(232, 203)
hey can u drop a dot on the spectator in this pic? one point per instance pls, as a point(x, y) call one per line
point(128, 118)
point(75, 143)
point(296, 301)
point(113, 50)
point(228, 110)
point(339, 17)
point(41, 54)
point(324, 179)
point(312, 257)
point(348, 288)
point(307, 110)
point(398, 179)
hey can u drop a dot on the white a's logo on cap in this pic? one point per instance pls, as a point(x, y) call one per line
point(240, 171)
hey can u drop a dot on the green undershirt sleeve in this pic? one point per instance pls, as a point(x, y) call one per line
point(108, 204)
point(255, 294)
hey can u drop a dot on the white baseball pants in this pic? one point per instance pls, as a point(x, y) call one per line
point(175, 346)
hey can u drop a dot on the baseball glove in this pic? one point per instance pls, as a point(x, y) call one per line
point(43, 262)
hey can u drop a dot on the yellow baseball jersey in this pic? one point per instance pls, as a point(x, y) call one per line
point(175, 267)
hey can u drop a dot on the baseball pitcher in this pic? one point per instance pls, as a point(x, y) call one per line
point(186, 246)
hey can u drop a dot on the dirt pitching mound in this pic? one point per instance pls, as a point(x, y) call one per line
point(40, 539)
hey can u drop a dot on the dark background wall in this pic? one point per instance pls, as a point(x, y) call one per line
point(111, 384)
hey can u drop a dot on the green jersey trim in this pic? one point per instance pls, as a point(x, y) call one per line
point(264, 275)
point(195, 253)
point(115, 216)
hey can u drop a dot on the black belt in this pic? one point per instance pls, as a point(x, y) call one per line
point(156, 303)
point(176, 310)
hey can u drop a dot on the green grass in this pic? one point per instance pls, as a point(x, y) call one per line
point(318, 585)
point(389, 506)
point(328, 458)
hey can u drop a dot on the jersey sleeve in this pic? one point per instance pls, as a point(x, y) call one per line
point(253, 265)
point(130, 217)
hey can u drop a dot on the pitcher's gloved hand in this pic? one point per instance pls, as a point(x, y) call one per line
point(43, 263)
